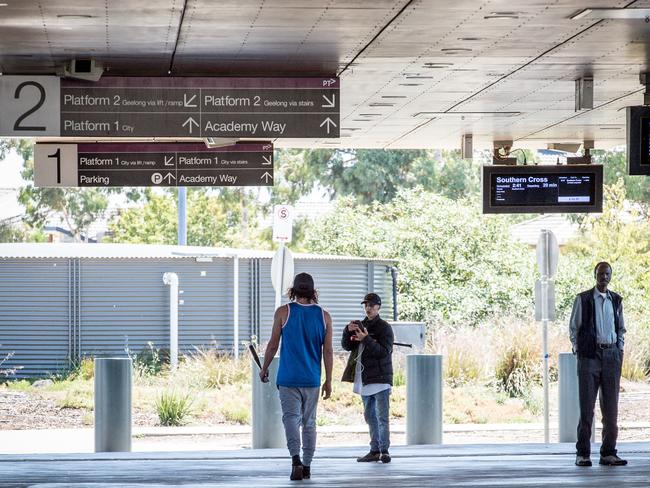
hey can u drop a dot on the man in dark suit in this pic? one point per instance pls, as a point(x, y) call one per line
point(597, 331)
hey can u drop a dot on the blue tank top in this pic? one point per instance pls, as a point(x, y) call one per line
point(301, 352)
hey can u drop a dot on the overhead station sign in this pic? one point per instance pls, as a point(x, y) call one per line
point(170, 107)
point(543, 189)
point(152, 164)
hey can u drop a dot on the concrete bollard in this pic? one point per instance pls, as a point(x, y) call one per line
point(113, 404)
point(268, 431)
point(424, 399)
point(569, 400)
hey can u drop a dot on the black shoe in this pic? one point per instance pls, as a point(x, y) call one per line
point(612, 460)
point(296, 473)
point(385, 457)
point(306, 472)
point(371, 457)
point(583, 461)
point(296, 469)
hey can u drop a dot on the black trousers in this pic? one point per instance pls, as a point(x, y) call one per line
point(602, 372)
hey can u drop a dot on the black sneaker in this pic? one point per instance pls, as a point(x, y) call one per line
point(371, 457)
point(583, 461)
point(306, 472)
point(385, 457)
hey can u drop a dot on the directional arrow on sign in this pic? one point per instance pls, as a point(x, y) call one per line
point(170, 161)
point(266, 176)
point(330, 103)
point(169, 177)
point(188, 102)
point(329, 122)
point(191, 121)
point(267, 160)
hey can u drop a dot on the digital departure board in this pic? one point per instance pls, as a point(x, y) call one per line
point(543, 189)
point(638, 140)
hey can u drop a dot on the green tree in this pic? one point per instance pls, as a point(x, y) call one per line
point(615, 168)
point(455, 266)
point(621, 236)
point(213, 219)
point(79, 208)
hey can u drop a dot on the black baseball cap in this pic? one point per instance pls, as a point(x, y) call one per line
point(372, 299)
point(303, 283)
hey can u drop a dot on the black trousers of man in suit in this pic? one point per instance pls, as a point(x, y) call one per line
point(602, 372)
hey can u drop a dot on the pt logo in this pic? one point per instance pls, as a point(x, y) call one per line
point(283, 213)
point(156, 178)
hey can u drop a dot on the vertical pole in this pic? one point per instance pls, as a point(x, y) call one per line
point(113, 404)
point(182, 216)
point(171, 279)
point(545, 310)
point(424, 399)
point(279, 291)
point(267, 428)
point(235, 306)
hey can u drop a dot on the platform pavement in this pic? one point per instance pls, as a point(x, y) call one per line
point(467, 466)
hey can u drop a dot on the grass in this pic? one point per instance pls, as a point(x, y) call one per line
point(235, 413)
point(492, 374)
point(173, 408)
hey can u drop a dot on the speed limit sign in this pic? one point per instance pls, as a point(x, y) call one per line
point(282, 223)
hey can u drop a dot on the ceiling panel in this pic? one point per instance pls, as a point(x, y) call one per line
point(396, 59)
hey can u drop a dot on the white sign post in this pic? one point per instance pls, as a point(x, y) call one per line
point(547, 256)
point(282, 265)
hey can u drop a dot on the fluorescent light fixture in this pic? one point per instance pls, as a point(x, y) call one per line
point(382, 104)
point(613, 13)
point(75, 16)
point(452, 50)
point(394, 96)
point(502, 15)
point(214, 142)
point(465, 114)
point(581, 14)
point(437, 65)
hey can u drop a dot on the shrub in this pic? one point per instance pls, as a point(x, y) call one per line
point(517, 369)
point(212, 369)
point(5, 372)
point(173, 408)
point(235, 412)
point(462, 367)
point(76, 399)
point(150, 361)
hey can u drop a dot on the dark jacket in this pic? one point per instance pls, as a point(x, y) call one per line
point(377, 353)
point(586, 339)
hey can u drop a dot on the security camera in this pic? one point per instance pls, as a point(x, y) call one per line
point(83, 69)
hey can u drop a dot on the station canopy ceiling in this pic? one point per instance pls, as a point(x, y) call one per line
point(414, 74)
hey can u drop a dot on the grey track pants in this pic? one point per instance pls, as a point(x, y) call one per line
point(299, 409)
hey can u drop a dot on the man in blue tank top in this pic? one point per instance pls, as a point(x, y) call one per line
point(306, 333)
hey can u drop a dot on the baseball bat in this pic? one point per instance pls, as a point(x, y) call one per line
point(256, 358)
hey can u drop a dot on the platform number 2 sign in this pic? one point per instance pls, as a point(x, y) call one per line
point(30, 106)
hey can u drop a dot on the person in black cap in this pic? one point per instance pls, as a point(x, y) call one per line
point(370, 368)
point(306, 333)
